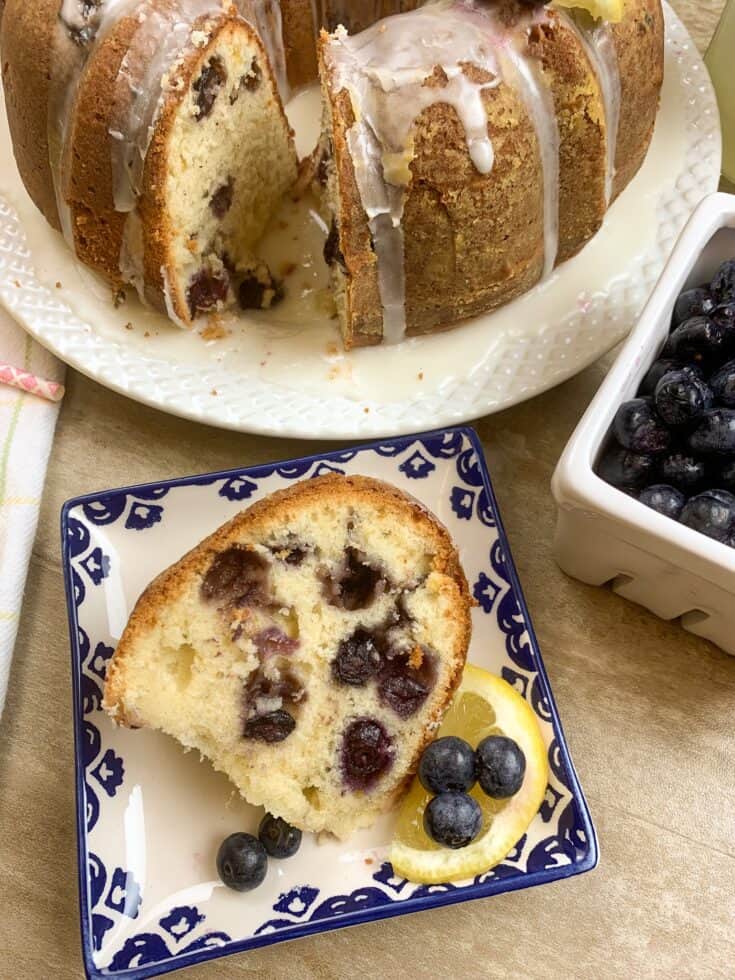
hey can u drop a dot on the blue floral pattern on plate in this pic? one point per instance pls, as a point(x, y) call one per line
point(137, 922)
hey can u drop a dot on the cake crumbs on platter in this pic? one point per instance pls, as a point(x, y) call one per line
point(420, 375)
point(366, 410)
point(58, 285)
point(215, 329)
point(129, 326)
point(147, 334)
point(214, 392)
point(17, 284)
point(118, 298)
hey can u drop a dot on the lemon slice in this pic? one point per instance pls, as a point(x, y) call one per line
point(483, 705)
point(610, 10)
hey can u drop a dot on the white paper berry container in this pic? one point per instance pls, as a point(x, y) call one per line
point(603, 536)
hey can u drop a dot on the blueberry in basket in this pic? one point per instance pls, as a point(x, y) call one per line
point(673, 445)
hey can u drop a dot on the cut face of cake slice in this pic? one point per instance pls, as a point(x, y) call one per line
point(309, 649)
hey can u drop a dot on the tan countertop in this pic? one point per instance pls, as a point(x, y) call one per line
point(649, 712)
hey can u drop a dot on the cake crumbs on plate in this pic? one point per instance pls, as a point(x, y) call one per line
point(147, 334)
point(119, 296)
point(17, 284)
point(58, 285)
point(366, 410)
point(129, 326)
point(215, 329)
point(420, 375)
point(214, 392)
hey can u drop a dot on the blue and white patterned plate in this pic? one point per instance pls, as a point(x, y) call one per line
point(150, 816)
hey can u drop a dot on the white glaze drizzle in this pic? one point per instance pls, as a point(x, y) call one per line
point(265, 15)
point(384, 69)
point(597, 40)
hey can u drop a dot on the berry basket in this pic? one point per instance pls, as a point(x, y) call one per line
point(603, 535)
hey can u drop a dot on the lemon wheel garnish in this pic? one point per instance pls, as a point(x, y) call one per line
point(610, 10)
point(483, 705)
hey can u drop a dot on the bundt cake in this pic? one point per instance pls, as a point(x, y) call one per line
point(472, 146)
point(308, 648)
point(468, 145)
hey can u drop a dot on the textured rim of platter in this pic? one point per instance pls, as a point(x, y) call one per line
point(530, 357)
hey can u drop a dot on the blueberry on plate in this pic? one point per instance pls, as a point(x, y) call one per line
point(501, 766)
point(661, 367)
point(715, 432)
point(624, 469)
point(663, 499)
point(712, 513)
point(682, 470)
point(722, 384)
point(278, 837)
point(638, 428)
point(692, 302)
point(699, 339)
point(681, 398)
point(448, 765)
point(722, 286)
point(453, 819)
point(242, 862)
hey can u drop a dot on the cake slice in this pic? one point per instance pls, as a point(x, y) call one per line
point(308, 648)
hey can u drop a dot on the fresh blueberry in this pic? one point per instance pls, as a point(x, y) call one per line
point(448, 764)
point(680, 398)
point(724, 477)
point(623, 469)
point(639, 429)
point(722, 384)
point(692, 302)
point(682, 470)
point(711, 513)
point(664, 499)
point(715, 432)
point(699, 339)
point(274, 726)
point(722, 286)
point(661, 367)
point(242, 862)
point(453, 819)
point(501, 766)
point(279, 838)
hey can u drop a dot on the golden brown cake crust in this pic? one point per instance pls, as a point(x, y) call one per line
point(274, 510)
point(473, 243)
point(27, 47)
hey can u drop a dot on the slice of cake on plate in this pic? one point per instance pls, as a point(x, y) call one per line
point(308, 648)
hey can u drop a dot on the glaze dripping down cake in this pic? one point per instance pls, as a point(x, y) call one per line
point(469, 146)
point(309, 649)
point(468, 152)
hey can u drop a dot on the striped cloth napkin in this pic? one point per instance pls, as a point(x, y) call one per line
point(27, 425)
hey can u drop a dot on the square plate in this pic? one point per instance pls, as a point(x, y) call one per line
point(150, 816)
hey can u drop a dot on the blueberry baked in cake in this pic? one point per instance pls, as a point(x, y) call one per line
point(308, 649)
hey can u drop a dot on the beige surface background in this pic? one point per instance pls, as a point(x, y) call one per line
point(649, 712)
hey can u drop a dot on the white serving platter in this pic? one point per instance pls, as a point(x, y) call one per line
point(286, 374)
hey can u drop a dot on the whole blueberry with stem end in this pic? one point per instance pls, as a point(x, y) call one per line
point(278, 837)
point(501, 766)
point(624, 469)
point(700, 340)
point(712, 513)
point(680, 398)
point(722, 384)
point(242, 862)
point(692, 302)
point(453, 819)
point(637, 427)
point(448, 765)
point(714, 433)
point(663, 499)
point(682, 470)
point(722, 286)
point(661, 367)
